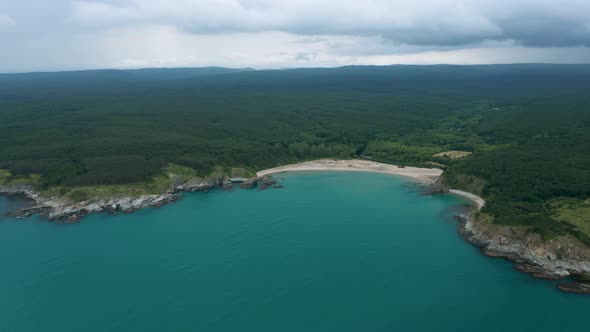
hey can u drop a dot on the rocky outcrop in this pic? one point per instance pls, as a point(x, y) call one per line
point(226, 182)
point(198, 184)
point(18, 189)
point(262, 182)
point(250, 183)
point(114, 205)
point(266, 181)
point(575, 287)
point(554, 259)
point(66, 210)
point(439, 186)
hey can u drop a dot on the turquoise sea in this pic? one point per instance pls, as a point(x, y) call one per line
point(328, 252)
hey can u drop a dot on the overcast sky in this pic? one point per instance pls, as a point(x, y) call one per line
point(63, 34)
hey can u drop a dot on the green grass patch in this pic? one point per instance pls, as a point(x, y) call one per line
point(7, 178)
point(574, 212)
point(180, 170)
point(238, 172)
point(4, 175)
point(157, 185)
point(397, 152)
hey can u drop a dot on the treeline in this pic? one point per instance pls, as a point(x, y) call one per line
point(88, 171)
point(544, 155)
point(68, 141)
point(528, 126)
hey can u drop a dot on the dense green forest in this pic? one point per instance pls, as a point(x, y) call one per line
point(528, 127)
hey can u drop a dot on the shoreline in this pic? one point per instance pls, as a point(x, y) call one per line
point(424, 175)
point(527, 250)
point(61, 209)
point(479, 202)
point(561, 259)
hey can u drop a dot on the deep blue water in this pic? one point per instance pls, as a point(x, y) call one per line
point(329, 252)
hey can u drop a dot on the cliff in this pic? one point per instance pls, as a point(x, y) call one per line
point(554, 259)
point(61, 208)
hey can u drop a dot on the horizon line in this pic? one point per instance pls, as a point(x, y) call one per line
point(289, 68)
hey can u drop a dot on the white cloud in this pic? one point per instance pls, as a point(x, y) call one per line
point(6, 21)
point(487, 55)
point(97, 12)
point(432, 22)
point(166, 46)
point(297, 33)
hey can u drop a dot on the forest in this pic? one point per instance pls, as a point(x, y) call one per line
point(527, 127)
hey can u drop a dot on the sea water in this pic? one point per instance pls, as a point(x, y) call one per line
point(330, 251)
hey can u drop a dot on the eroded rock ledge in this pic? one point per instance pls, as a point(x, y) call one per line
point(562, 258)
point(62, 209)
point(556, 259)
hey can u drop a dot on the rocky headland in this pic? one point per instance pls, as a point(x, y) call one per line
point(67, 210)
point(561, 258)
point(556, 259)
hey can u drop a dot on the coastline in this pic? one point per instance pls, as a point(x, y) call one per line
point(65, 210)
point(479, 202)
point(424, 175)
point(555, 259)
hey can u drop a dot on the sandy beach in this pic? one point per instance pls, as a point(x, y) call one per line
point(479, 202)
point(425, 175)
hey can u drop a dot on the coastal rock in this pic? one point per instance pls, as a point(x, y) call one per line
point(440, 186)
point(71, 212)
point(555, 259)
point(537, 272)
point(19, 189)
point(198, 184)
point(266, 181)
point(250, 183)
point(262, 182)
point(68, 211)
point(226, 182)
point(60, 209)
point(575, 287)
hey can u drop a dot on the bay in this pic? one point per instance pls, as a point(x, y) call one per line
point(331, 251)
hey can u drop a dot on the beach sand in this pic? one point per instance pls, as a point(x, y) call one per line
point(424, 175)
point(479, 202)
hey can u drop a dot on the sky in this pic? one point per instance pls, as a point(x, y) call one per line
point(52, 35)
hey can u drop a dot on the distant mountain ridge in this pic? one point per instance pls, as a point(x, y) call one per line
point(476, 79)
point(142, 73)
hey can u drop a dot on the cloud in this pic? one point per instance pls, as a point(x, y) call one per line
point(98, 12)
point(6, 21)
point(486, 55)
point(83, 34)
point(166, 46)
point(545, 23)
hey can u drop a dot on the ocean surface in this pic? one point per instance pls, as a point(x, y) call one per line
point(328, 252)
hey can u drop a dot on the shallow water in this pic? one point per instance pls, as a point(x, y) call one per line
point(329, 252)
